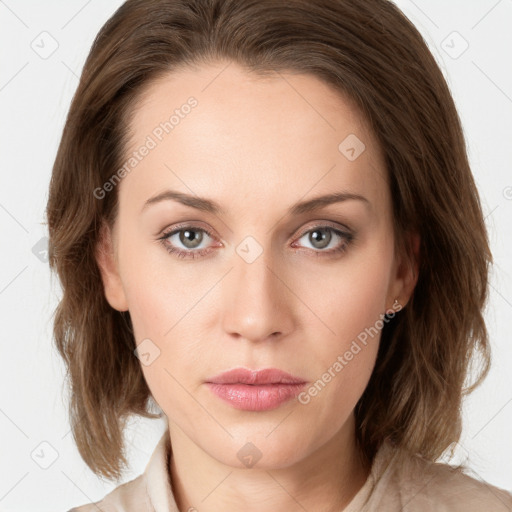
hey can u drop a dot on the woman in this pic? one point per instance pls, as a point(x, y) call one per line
point(264, 220)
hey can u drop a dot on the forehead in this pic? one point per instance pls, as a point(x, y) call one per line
point(220, 130)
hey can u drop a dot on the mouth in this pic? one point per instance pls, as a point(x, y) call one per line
point(255, 377)
point(256, 390)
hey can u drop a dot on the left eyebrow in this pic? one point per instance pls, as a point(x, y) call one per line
point(210, 206)
point(322, 201)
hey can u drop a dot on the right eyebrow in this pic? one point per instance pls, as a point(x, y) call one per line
point(200, 203)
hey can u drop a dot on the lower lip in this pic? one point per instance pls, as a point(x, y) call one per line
point(256, 397)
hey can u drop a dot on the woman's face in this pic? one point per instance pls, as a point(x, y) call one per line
point(261, 275)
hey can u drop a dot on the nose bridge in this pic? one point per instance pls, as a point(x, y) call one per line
point(256, 300)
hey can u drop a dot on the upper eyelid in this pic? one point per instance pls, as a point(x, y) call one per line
point(321, 224)
point(191, 225)
point(173, 231)
point(326, 224)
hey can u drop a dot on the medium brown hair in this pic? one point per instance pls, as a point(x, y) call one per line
point(367, 50)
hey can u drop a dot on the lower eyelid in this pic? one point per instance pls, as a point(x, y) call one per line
point(166, 236)
point(184, 253)
point(346, 238)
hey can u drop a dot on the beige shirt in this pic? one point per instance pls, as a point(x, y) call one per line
point(417, 485)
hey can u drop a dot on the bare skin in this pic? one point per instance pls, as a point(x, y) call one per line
point(256, 146)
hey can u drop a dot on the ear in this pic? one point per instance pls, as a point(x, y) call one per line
point(406, 272)
point(107, 263)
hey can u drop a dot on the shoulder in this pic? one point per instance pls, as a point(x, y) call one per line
point(419, 485)
point(142, 494)
point(127, 497)
point(440, 485)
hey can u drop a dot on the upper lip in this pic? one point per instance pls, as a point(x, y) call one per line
point(264, 376)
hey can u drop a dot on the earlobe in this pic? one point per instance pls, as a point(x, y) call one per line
point(408, 270)
point(415, 245)
point(412, 264)
point(105, 258)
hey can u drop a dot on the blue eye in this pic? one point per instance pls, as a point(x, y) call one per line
point(192, 237)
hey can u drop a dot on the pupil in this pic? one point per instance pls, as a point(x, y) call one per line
point(321, 236)
point(189, 239)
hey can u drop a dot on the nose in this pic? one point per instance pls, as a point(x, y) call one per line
point(257, 304)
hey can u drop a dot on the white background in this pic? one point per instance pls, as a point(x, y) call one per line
point(35, 94)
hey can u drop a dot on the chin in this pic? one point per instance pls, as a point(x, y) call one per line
point(262, 451)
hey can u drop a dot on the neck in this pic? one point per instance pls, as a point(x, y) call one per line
point(325, 480)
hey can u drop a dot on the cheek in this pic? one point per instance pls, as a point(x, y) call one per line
point(165, 308)
point(165, 322)
point(153, 286)
point(350, 304)
point(350, 295)
point(349, 298)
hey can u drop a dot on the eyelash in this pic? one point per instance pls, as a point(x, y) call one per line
point(348, 237)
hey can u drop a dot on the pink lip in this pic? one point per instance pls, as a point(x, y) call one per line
point(255, 390)
point(246, 376)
